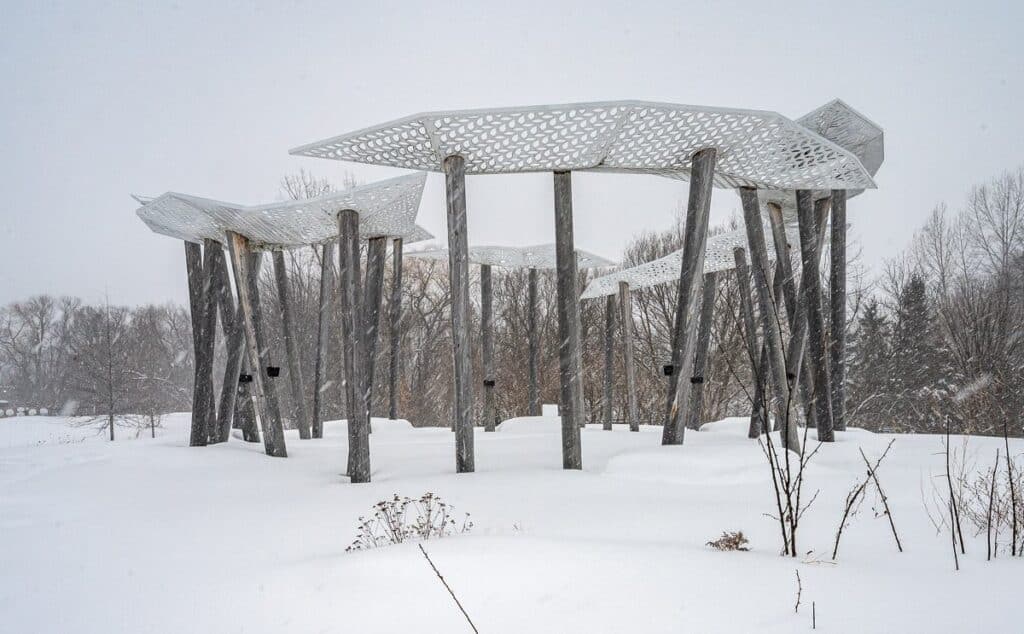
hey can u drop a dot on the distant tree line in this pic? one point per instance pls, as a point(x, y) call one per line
point(938, 335)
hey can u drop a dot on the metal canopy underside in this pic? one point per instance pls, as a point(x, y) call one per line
point(847, 128)
point(719, 257)
point(755, 148)
point(540, 256)
point(386, 209)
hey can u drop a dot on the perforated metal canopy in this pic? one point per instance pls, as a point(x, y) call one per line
point(719, 257)
point(755, 148)
point(540, 256)
point(847, 128)
point(386, 208)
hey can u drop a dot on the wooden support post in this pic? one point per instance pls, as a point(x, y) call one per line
point(770, 319)
point(487, 344)
point(626, 309)
point(796, 360)
point(700, 360)
point(373, 300)
point(234, 337)
point(291, 346)
point(264, 392)
point(786, 280)
point(395, 323)
point(810, 285)
point(355, 391)
point(533, 335)
point(194, 270)
point(609, 360)
point(323, 338)
point(698, 208)
point(755, 351)
point(458, 275)
point(571, 406)
point(837, 297)
point(245, 414)
point(206, 426)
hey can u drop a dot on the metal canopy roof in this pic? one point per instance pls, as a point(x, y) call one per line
point(719, 257)
point(386, 208)
point(755, 148)
point(540, 256)
point(847, 128)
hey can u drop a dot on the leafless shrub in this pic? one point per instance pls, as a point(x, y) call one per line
point(404, 518)
point(855, 497)
point(730, 540)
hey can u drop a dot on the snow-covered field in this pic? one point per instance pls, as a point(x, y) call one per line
point(148, 535)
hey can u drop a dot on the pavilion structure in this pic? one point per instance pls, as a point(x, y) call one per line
point(741, 149)
point(532, 258)
point(720, 257)
point(376, 212)
point(849, 129)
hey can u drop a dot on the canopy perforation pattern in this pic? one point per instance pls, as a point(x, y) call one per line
point(719, 257)
point(755, 148)
point(540, 256)
point(386, 208)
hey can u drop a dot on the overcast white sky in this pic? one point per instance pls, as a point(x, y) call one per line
point(101, 100)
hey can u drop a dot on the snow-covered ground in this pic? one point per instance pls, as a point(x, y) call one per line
point(153, 536)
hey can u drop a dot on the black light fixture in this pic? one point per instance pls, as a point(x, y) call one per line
point(273, 371)
point(668, 370)
point(245, 378)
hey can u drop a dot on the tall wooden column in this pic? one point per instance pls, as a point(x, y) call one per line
point(395, 324)
point(700, 360)
point(291, 346)
point(770, 318)
point(785, 280)
point(355, 390)
point(213, 255)
point(458, 275)
point(264, 392)
point(758, 417)
point(197, 306)
point(837, 297)
point(234, 337)
point(698, 208)
point(811, 285)
point(487, 344)
point(609, 360)
point(626, 308)
point(323, 338)
point(373, 300)
point(571, 405)
point(533, 335)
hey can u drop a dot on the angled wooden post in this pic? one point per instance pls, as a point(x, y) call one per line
point(487, 344)
point(194, 270)
point(264, 392)
point(770, 330)
point(373, 300)
point(533, 393)
point(609, 359)
point(323, 338)
point(810, 230)
point(291, 346)
point(357, 414)
point(700, 360)
point(796, 359)
point(458, 275)
point(626, 309)
point(395, 325)
point(206, 427)
point(698, 208)
point(571, 406)
point(234, 337)
point(755, 352)
point(837, 297)
point(785, 279)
